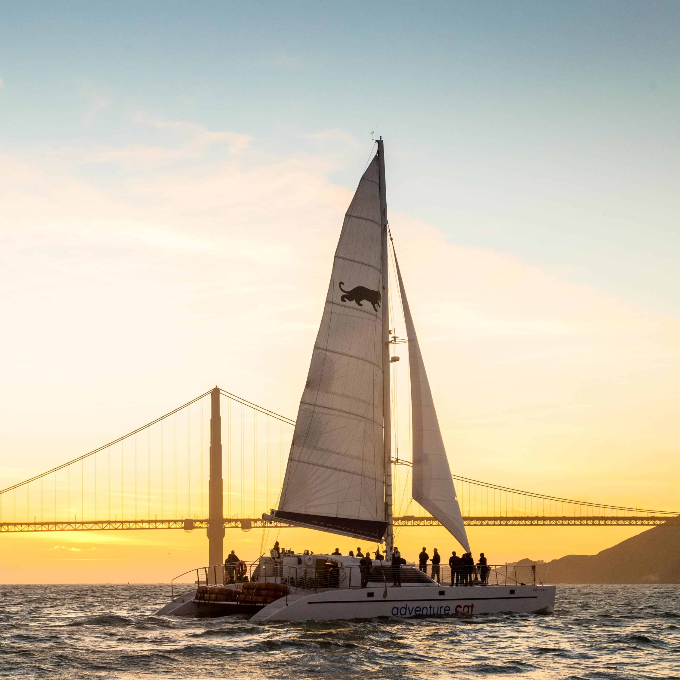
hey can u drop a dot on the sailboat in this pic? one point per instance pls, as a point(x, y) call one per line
point(339, 473)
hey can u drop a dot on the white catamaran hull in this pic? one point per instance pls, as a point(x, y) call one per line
point(407, 602)
point(404, 602)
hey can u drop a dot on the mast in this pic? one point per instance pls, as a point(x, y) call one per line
point(387, 412)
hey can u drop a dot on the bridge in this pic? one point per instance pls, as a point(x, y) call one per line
point(218, 461)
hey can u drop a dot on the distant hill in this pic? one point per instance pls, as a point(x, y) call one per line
point(650, 557)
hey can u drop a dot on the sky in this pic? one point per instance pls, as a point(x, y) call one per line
point(173, 181)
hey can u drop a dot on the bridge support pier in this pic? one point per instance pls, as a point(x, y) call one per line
point(215, 488)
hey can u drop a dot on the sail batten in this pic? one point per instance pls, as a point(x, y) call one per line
point(335, 473)
point(432, 484)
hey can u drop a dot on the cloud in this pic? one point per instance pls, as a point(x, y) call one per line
point(169, 276)
point(180, 141)
point(332, 143)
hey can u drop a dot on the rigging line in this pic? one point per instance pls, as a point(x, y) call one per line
point(371, 155)
point(403, 494)
point(265, 411)
point(101, 448)
point(393, 254)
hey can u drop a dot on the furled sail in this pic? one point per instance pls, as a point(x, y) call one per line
point(335, 475)
point(432, 483)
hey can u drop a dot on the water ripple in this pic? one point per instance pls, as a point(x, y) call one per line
point(103, 632)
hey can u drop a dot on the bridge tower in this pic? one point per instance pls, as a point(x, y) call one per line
point(215, 484)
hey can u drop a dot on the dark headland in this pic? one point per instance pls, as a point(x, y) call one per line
point(650, 557)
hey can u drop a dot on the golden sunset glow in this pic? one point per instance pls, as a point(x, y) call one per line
point(166, 231)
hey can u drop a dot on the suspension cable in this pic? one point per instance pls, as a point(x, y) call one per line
point(101, 448)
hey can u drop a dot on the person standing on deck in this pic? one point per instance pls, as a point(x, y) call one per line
point(230, 566)
point(422, 561)
point(436, 560)
point(396, 568)
point(378, 556)
point(469, 568)
point(365, 567)
point(454, 563)
point(483, 569)
point(464, 569)
point(359, 553)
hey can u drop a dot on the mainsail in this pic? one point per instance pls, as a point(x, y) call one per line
point(335, 475)
point(432, 483)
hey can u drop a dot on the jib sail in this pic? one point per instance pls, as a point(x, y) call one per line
point(432, 484)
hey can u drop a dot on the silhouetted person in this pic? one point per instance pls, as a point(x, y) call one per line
point(275, 552)
point(436, 560)
point(359, 553)
point(422, 561)
point(469, 568)
point(351, 553)
point(230, 566)
point(336, 552)
point(396, 567)
point(454, 563)
point(365, 567)
point(483, 569)
point(464, 566)
point(378, 556)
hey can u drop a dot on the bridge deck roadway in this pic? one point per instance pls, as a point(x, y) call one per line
point(407, 521)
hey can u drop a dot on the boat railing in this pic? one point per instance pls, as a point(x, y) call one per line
point(485, 575)
point(204, 576)
point(352, 576)
point(197, 582)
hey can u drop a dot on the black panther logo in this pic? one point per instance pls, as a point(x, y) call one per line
point(359, 294)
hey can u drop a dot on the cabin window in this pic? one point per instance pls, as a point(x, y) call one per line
point(512, 592)
point(370, 594)
point(442, 592)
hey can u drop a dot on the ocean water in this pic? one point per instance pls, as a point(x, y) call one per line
point(112, 632)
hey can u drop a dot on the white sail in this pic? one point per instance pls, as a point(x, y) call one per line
point(335, 475)
point(432, 483)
